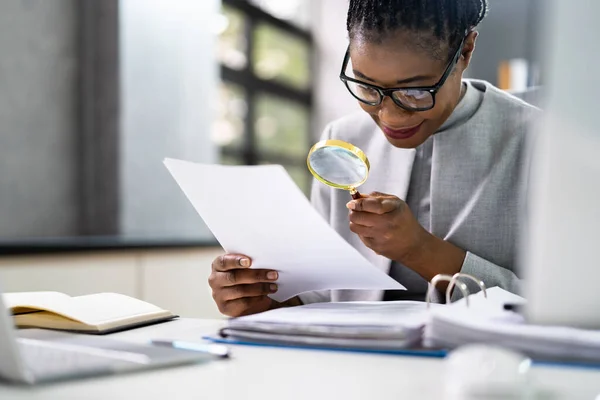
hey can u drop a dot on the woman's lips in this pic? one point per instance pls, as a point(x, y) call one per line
point(403, 133)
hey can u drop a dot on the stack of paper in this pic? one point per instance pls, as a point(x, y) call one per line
point(408, 324)
point(456, 325)
point(359, 325)
point(364, 325)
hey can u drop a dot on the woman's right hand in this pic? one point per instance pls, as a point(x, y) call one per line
point(239, 290)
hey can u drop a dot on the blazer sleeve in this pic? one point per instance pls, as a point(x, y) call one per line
point(496, 275)
point(490, 273)
point(320, 198)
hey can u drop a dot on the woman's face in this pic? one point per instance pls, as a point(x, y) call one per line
point(391, 64)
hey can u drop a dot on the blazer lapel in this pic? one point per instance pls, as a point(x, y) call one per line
point(391, 168)
point(453, 152)
point(390, 174)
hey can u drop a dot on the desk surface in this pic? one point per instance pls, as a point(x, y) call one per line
point(269, 373)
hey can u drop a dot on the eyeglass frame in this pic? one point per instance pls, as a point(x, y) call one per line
point(383, 92)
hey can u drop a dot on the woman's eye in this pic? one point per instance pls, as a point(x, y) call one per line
point(366, 90)
point(416, 94)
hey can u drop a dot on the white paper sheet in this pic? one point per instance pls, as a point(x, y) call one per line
point(260, 212)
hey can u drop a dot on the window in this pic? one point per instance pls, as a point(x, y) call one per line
point(265, 97)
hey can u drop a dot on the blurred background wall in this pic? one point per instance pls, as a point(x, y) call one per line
point(168, 87)
point(38, 99)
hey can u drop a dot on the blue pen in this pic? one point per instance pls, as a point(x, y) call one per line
point(216, 350)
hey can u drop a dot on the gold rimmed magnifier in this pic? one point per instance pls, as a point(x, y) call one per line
point(339, 164)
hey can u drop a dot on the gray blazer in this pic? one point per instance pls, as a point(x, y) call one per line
point(477, 186)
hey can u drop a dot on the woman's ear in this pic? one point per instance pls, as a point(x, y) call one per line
point(469, 48)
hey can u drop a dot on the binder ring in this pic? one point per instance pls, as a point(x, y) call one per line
point(442, 277)
point(454, 280)
point(460, 275)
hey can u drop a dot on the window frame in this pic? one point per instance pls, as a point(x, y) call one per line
point(254, 86)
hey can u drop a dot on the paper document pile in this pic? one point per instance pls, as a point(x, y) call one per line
point(408, 324)
point(363, 325)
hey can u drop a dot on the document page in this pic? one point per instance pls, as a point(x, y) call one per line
point(260, 212)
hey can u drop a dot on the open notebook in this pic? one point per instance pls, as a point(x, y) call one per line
point(95, 313)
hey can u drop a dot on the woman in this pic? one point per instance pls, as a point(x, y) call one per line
point(446, 157)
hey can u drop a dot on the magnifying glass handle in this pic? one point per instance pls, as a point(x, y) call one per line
point(355, 195)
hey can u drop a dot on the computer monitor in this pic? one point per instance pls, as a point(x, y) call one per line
point(561, 262)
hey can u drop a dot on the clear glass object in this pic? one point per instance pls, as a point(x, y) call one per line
point(339, 164)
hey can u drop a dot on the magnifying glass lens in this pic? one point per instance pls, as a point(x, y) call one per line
point(339, 164)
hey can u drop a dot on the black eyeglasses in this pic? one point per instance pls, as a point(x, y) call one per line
point(420, 98)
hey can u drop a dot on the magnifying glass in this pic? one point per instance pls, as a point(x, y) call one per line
point(339, 164)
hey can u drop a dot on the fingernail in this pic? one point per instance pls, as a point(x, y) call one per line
point(244, 262)
point(272, 275)
point(351, 205)
point(273, 287)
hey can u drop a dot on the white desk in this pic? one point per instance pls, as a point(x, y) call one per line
point(266, 373)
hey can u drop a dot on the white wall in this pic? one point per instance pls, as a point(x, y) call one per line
point(38, 93)
point(332, 99)
point(169, 79)
point(505, 34)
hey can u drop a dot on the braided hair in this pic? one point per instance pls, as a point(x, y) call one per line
point(441, 21)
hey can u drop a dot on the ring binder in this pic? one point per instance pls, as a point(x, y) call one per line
point(454, 280)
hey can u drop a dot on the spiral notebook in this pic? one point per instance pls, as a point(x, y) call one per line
point(416, 328)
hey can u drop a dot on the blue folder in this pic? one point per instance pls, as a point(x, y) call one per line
point(399, 352)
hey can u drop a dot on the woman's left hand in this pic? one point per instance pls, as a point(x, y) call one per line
point(386, 225)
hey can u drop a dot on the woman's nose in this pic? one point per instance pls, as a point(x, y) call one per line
point(391, 114)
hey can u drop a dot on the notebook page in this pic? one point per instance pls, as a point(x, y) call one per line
point(259, 211)
point(93, 309)
point(22, 301)
point(104, 308)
